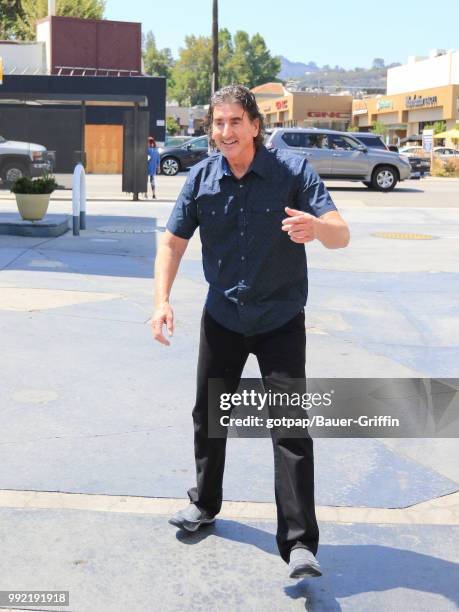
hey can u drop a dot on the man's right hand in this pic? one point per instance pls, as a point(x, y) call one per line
point(163, 315)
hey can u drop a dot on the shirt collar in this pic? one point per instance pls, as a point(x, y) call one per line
point(259, 165)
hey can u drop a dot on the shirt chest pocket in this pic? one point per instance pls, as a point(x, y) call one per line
point(215, 211)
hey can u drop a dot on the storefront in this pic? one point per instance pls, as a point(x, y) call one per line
point(301, 109)
point(408, 113)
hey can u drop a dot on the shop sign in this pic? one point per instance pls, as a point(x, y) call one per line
point(281, 104)
point(415, 101)
point(383, 104)
point(360, 111)
point(427, 140)
point(329, 114)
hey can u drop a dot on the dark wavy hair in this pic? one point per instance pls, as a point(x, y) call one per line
point(240, 95)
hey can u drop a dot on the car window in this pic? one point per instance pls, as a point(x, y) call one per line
point(341, 143)
point(294, 139)
point(368, 141)
point(200, 143)
point(316, 141)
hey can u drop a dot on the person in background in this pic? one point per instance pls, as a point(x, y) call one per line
point(153, 164)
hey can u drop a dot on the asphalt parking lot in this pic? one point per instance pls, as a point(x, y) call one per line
point(96, 444)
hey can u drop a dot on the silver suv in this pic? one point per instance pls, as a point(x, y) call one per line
point(338, 156)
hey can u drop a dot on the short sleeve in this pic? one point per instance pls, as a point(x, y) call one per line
point(313, 196)
point(184, 219)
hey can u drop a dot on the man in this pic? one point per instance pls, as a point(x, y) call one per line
point(255, 209)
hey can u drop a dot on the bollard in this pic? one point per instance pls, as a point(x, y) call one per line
point(79, 199)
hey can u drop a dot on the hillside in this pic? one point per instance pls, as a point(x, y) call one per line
point(310, 76)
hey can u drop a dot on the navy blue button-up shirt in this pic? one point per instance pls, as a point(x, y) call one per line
point(257, 276)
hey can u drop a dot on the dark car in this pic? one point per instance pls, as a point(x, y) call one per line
point(175, 159)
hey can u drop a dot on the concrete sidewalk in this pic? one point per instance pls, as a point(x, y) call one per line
point(92, 407)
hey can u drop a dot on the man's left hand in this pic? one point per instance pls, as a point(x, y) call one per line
point(301, 226)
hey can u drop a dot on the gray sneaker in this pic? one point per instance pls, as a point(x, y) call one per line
point(303, 563)
point(191, 518)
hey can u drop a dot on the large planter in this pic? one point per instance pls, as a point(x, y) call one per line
point(32, 206)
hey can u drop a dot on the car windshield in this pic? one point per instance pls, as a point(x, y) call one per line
point(2, 139)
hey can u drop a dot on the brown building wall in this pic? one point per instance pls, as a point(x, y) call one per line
point(397, 111)
point(296, 108)
point(91, 43)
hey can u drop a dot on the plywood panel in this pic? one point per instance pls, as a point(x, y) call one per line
point(104, 149)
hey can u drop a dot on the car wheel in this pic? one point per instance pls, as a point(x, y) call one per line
point(384, 178)
point(13, 171)
point(368, 184)
point(170, 166)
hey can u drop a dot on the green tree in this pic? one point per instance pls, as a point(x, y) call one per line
point(263, 66)
point(157, 62)
point(37, 9)
point(191, 73)
point(378, 63)
point(172, 126)
point(352, 128)
point(378, 128)
point(437, 127)
point(10, 10)
point(242, 60)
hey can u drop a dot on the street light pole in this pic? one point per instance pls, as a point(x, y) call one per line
point(214, 46)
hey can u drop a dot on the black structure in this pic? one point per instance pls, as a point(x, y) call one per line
point(53, 111)
point(101, 87)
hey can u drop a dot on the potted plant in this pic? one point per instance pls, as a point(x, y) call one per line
point(32, 196)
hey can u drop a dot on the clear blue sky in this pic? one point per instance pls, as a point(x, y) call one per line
point(349, 33)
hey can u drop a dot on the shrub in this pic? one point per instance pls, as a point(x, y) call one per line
point(44, 184)
point(449, 168)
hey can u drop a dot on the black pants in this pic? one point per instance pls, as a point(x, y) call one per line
point(281, 353)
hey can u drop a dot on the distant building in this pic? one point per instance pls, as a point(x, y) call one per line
point(284, 108)
point(420, 92)
point(190, 120)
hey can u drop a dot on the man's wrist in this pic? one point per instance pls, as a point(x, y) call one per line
point(161, 302)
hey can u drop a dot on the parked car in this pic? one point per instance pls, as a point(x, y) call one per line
point(340, 156)
point(176, 141)
point(446, 153)
point(175, 159)
point(19, 159)
point(418, 158)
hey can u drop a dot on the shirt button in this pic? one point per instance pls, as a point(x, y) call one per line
point(268, 209)
point(241, 303)
point(213, 212)
point(241, 209)
point(243, 258)
point(242, 233)
point(241, 186)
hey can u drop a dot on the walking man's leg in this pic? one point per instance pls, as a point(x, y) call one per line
point(222, 355)
point(281, 355)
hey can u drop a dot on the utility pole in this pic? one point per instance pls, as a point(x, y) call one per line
point(214, 46)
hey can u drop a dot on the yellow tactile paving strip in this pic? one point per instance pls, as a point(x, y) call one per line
point(27, 300)
point(440, 511)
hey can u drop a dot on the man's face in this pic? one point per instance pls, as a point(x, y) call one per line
point(233, 131)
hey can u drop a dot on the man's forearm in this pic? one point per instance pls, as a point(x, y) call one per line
point(166, 265)
point(333, 233)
